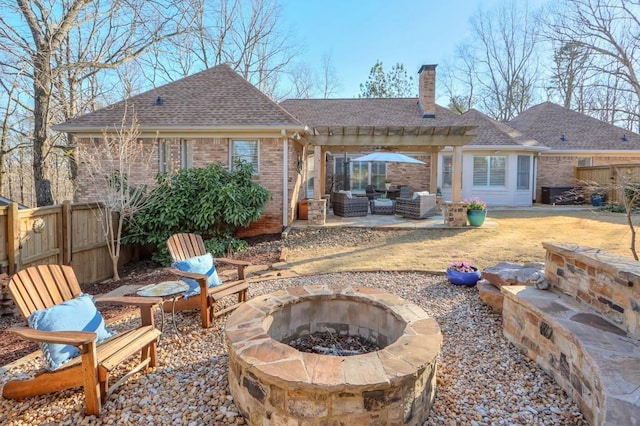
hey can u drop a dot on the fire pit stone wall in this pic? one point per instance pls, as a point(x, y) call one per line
point(273, 383)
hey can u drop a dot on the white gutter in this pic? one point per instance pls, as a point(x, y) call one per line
point(285, 178)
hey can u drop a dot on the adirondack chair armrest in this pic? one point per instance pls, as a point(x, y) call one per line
point(232, 261)
point(145, 304)
point(240, 264)
point(75, 338)
point(200, 278)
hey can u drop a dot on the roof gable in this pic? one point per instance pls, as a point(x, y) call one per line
point(490, 132)
point(215, 97)
point(561, 128)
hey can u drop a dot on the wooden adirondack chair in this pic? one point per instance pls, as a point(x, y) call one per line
point(44, 286)
point(186, 246)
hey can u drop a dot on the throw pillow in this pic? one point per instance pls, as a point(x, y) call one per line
point(79, 314)
point(202, 265)
point(347, 193)
point(417, 194)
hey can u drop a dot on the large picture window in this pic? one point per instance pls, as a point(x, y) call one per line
point(489, 171)
point(247, 151)
point(524, 172)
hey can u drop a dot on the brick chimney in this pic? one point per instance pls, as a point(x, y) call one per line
point(427, 91)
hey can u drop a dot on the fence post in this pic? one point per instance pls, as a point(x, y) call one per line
point(66, 233)
point(13, 237)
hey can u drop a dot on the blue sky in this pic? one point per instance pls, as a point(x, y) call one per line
point(356, 33)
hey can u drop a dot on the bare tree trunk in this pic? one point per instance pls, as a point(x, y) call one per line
point(42, 99)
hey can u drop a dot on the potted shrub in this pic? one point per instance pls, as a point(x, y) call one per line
point(463, 273)
point(387, 183)
point(476, 211)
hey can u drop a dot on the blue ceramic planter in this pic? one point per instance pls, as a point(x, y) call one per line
point(463, 278)
point(476, 217)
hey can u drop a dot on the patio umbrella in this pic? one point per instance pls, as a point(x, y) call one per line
point(389, 157)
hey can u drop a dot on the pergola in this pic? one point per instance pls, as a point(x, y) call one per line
point(426, 139)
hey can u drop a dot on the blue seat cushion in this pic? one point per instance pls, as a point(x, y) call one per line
point(79, 314)
point(202, 265)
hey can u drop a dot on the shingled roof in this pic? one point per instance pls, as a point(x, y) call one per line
point(215, 97)
point(366, 112)
point(490, 132)
point(549, 124)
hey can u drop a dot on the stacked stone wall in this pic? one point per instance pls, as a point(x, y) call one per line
point(583, 331)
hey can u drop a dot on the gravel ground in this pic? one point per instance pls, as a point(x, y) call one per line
point(482, 379)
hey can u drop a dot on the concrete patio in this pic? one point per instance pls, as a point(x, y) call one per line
point(395, 221)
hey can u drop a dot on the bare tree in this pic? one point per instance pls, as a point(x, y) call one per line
point(506, 61)
point(458, 79)
point(302, 81)
point(329, 82)
point(610, 31)
point(109, 164)
point(307, 83)
point(109, 33)
point(499, 66)
point(246, 34)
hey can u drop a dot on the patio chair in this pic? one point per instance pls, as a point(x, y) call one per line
point(346, 206)
point(182, 248)
point(70, 331)
point(371, 192)
point(421, 205)
point(404, 191)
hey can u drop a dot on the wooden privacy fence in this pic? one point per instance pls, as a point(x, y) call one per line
point(64, 234)
point(611, 177)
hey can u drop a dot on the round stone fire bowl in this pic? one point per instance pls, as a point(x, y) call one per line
point(273, 383)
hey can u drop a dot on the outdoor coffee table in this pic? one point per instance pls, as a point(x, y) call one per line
point(172, 289)
point(383, 206)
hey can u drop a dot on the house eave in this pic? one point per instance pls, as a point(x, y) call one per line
point(192, 131)
point(584, 152)
point(519, 148)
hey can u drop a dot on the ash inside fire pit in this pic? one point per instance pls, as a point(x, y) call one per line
point(328, 343)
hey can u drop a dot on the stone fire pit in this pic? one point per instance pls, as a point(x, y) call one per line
point(273, 383)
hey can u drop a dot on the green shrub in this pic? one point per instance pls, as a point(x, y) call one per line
point(209, 201)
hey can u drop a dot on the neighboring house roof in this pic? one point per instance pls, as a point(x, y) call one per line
point(365, 112)
point(548, 123)
point(215, 97)
point(493, 133)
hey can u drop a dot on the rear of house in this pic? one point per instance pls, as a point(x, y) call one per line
point(212, 116)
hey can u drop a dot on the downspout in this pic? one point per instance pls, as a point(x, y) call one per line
point(285, 179)
point(535, 178)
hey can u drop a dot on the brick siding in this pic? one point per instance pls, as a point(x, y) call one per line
point(208, 150)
